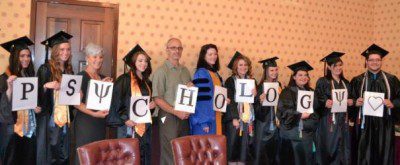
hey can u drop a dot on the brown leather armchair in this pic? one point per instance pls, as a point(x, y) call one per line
point(112, 151)
point(200, 149)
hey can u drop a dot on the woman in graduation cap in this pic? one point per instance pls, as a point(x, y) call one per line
point(297, 130)
point(239, 117)
point(333, 137)
point(267, 134)
point(21, 148)
point(54, 119)
point(205, 120)
point(375, 136)
point(90, 125)
point(134, 83)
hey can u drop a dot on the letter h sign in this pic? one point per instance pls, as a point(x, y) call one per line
point(186, 98)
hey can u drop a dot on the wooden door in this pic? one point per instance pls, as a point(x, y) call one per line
point(86, 23)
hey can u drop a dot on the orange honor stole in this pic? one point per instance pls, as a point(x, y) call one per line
point(218, 115)
point(140, 128)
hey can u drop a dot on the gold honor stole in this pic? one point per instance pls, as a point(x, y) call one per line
point(140, 128)
point(276, 109)
point(22, 121)
point(218, 115)
point(61, 112)
point(22, 116)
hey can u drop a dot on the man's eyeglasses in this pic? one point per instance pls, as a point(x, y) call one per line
point(175, 48)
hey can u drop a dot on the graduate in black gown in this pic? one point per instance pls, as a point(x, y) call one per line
point(238, 120)
point(267, 131)
point(376, 135)
point(90, 125)
point(297, 130)
point(133, 83)
point(22, 146)
point(6, 119)
point(333, 136)
point(53, 144)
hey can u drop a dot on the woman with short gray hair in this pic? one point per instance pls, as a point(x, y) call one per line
point(89, 124)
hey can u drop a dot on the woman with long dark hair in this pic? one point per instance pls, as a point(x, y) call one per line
point(21, 148)
point(333, 137)
point(134, 83)
point(53, 121)
point(297, 130)
point(205, 120)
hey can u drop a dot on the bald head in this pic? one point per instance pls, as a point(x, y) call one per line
point(174, 49)
point(173, 41)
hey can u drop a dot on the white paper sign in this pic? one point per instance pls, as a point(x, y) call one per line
point(70, 90)
point(373, 104)
point(305, 101)
point(25, 93)
point(339, 99)
point(139, 110)
point(99, 95)
point(186, 98)
point(243, 90)
point(272, 95)
point(220, 97)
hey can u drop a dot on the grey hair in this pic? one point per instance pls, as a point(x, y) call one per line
point(92, 49)
point(172, 39)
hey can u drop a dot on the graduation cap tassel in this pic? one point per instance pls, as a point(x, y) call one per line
point(324, 68)
point(46, 59)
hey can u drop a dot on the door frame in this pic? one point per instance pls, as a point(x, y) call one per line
point(115, 8)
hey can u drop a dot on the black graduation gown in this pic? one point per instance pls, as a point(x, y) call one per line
point(20, 150)
point(238, 146)
point(87, 128)
point(119, 113)
point(293, 149)
point(333, 139)
point(376, 142)
point(53, 144)
point(266, 132)
point(6, 121)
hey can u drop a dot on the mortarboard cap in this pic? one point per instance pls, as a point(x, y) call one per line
point(19, 43)
point(302, 65)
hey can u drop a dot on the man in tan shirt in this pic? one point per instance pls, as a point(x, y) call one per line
point(165, 81)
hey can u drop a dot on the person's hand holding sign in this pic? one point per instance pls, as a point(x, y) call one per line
point(350, 102)
point(107, 79)
point(152, 105)
point(328, 103)
point(38, 109)
point(263, 97)
point(10, 81)
point(181, 115)
point(130, 123)
point(388, 103)
point(100, 114)
point(52, 85)
point(254, 91)
point(305, 115)
point(360, 102)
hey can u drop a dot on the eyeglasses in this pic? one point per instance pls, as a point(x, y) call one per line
point(374, 60)
point(175, 48)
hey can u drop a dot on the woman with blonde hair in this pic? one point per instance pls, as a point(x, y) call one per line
point(239, 117)
point(53, 120)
